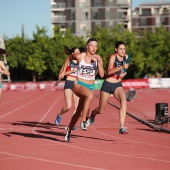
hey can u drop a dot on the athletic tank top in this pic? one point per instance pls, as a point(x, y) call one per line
point(87, 71)
point(116, 64)
point(71, 66)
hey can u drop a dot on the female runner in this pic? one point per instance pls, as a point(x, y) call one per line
point(112, 85)
point(88, 63)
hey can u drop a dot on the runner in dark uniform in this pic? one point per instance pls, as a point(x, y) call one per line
point(112, 85)
point(71, 73)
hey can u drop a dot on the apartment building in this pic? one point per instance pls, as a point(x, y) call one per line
point(148, 16)
point(82, 16)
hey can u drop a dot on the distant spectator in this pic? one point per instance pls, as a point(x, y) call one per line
point(145, 76)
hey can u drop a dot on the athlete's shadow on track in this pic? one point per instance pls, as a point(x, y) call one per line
point(150, 130)
point(45, 125)
point(30, 135)
point(72, 136)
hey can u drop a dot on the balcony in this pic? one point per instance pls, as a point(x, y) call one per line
point(123, 4)
point(59, 18)
point(58, 5)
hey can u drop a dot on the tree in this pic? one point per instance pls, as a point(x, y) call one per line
point(42, 57)
point(155, 47)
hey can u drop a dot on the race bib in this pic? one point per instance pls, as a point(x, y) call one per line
point(87, 71)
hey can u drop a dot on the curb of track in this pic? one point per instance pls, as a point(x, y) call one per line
point(156, 127)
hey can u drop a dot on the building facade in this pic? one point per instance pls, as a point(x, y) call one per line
point(82, 16)
point(148, 16)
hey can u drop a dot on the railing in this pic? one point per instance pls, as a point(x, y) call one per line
point(59, 18)
point(58, 5)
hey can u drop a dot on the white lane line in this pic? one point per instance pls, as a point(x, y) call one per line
point(110, 153)
point(39, 123)
point(124, 155)
point(15, 99)
point(74, 165)
point(22, 106)
point(50, 161)
point(103, 152)
point(132, 141)
point(5, 128)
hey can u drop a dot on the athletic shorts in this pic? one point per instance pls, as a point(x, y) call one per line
point(110, 87)
point(0, 85)
point(89, 86)
point(69, 84)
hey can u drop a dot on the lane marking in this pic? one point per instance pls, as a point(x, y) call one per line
point(50, 161)
point(124, 155)
point(112, 153)
point(22, 106)
point(13, 100)
point(132, 141)
point(39, 123)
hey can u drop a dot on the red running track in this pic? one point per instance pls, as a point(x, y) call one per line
point(29, 139)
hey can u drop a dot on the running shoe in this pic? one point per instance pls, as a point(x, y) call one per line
point(87, 122)
point(123, 131)
point(58, 119)
point(67, 136)
point(73, 128)
point(83, 125)
point(91, 118)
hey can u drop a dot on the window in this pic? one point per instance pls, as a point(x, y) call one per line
point(107, 14)
point(98, 3)
point(146, 11)
point(85, 15)
point(82, 28)
point(122, 2)
point(58, 16)
point(110, 3)
point(95, 15)
point(158, 23)
point(82, 3)
point(156, 11)
point(163, 21)
point(69, 4)
point(165, 11)
point(143, 22)
point(73, 15)
point(110, 24)
point(120, 15)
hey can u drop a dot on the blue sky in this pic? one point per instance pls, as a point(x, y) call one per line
point(29, 13)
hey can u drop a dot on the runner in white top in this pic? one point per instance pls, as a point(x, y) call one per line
point(87, 71)
point(89, 63)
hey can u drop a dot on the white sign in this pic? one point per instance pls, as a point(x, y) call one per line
point(159, 82)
